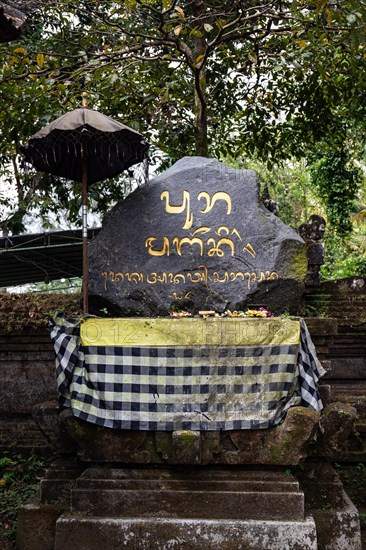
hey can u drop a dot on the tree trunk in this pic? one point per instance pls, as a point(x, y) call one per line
point(201, 114)
point(200, 103)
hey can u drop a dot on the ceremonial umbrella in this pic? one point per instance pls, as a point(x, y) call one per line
point(86, 146)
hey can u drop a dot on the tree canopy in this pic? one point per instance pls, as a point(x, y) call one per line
point(274, 79)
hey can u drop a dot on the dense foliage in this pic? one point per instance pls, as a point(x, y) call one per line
point(19, 478)
point(273, 80)
point(337, 185)
point(295, 188)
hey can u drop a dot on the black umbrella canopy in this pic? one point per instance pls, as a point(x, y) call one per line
point(109, 146)
point(87, 146)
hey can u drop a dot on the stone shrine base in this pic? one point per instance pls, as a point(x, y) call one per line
point(190, 534)
point(190, 508)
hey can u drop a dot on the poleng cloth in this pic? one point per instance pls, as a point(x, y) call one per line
point(185, 373)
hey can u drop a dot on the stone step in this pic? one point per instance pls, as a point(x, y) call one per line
point(26, 337)
point(230, 495)
point(26, 345)
point(31, 355)
point(58, 481)
point(349, 300)
point(191, 534)
point(20, 434)
point(346, 368)
point(320, 301)
point(348, 352)
point(344, 388)
point(192, 474)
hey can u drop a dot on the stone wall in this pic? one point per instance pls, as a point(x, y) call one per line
point(26, 380)
point(339, 334)
point(343, 299)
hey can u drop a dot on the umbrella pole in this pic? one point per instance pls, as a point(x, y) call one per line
point(85, 229)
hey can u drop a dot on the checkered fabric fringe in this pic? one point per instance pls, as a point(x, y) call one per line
point(183, 388)
point(310, 370)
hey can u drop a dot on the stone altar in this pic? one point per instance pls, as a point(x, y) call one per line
point(185, 228)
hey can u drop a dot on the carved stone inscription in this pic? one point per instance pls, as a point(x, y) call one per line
point(196, 237)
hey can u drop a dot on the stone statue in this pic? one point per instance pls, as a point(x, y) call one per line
point(313, 233)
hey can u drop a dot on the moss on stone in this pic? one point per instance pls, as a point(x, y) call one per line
point(33, 310)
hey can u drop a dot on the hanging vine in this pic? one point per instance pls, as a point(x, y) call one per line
point(336, 183)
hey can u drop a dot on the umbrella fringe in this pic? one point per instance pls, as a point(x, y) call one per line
point(112, 147)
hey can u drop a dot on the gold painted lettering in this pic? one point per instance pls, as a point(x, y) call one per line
point(217, 278)
point(233, 276)
point(105, 275)
point(236, 232)
point(179, 209)
point(179, 278)
point(210, 202)
point(199, 277)
point(203, 229)
point(216, 250)
point(185, 240)
point(162, 278)
point(152, 281)
point(248, 276)
point(228, 242)
point(204, 276)
point(165, 251)
point(274, 276)
point(135, 277)
point(181, 295)
point(221, 229)
point(248, 248)
point(241, 274)
point(119, 277)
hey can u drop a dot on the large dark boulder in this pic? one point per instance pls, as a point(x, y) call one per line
point(196, 237)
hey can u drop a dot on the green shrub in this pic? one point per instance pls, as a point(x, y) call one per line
point(343, 258)
point(19, 478)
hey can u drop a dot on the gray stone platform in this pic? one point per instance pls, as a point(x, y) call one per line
point(192, 509)
point(197, 494)
point(188, 534)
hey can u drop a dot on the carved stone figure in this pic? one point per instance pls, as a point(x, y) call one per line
point(314, 230)
point(313, 233)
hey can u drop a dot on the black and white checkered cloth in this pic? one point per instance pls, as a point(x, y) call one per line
point(310, 370)
point(181, 387)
